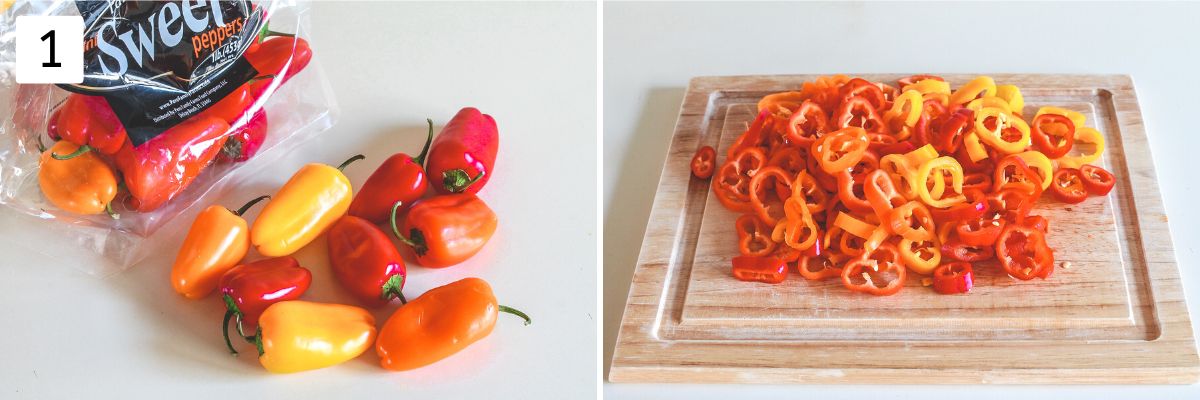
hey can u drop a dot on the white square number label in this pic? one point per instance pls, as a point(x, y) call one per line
point(49, 49)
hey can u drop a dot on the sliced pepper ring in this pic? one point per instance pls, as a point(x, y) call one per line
point(912, 221)
point(997, 137)
point(758, 189)
point(753, 236)
point(1068, 186)
point(841, 149)
point(807, 124)
point(1097, 180)
point(865, 274)
point(921, 256)
point(1053, 134)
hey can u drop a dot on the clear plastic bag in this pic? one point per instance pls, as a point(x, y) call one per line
point(298, 102)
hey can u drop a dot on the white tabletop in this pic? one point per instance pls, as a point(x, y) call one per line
point(651, 50)
point(532, 66)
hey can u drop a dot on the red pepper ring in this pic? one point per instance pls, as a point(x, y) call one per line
point(808, 123)
point(951, 134)
point(979, 232)
point(703, 163)
point(759, 269)
point(974, 208)
point(1054, 143)
point(753, 136)
point(863, 88)
point(758, 188)
point(1023, 253)
point(851, 192)
point(1098, 180)
point(732, 183)
point(957, 250)
point(1068, 186)
point(953, 278)
point(818, 267)
point(864, 274)
point(858, 112)
point(912, 221)
point(840, 149)
point(753, 236)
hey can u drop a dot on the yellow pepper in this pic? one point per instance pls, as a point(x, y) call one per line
point(989, 101)
point(1076, 117)
point(1012, 94)
point(216, 242)
point(76, 180)
point(1003, 121)
point(1084, 135)
point(975, 148)
point(980, 85)
point(902, 168)
point(941, 166)
point(315, 197)
point(300, 335)
point(1040, 163)
point(920, 257)
point(929, 86)
point(913, 100)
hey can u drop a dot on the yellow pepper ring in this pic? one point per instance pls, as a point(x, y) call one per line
point(942, 165)
point(1012, 94)
point(1084, 135)
point(992, 138)
point(1076, 117)
point(854, 226)
point(1040, 163)
point(990, 101)
point(913, 100)
point(980, 85)
point(915, 262)
point(929, 86)
point(975, 149)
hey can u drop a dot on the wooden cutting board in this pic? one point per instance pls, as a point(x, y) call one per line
point(1113, 312)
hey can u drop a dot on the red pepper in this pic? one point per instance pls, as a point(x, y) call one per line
point(1023, 253)
point(245, 141)
point(857, 111)
point(1053, 143)
point(1098, 180)
point(160, 168)
point(759, 269)
point(248, 290)
point(754, 236)
point(821, 266)
point(446, 230)
point(807, 124)
point(960, 251)
point(704, 162)
point(980, 232)
point(89, 121)
point(950, 136)
point(974, 208)
point(953, 277)
point(1011, 204)
point(1037, 222)
point(463, 154)
point(1068, 186)
point(865, 89)
point(731, 184)
point(881, 266)
point(400, 178)
point(286, 55)
point(365, 262)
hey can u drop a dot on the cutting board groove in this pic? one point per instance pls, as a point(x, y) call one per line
point(1117, 315)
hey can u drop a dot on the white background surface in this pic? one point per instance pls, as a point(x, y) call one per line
point(64, 334)
point(651, 50)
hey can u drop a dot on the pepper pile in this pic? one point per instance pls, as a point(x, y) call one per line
point(77, 173)
point(291, 335)
point(864, 182)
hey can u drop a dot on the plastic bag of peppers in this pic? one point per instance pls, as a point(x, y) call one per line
point(167, 112)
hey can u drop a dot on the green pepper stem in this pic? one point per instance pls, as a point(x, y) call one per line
point(285, 34)
point(247, 206)
point(225, 332)
point(109, 210)
point(396, 229)
point(420, 160)
point(261, 77)
point(78, 152)
point(457, 180)
point(513, 311)
point(257, 340)
point(41, 146)
point(352, 159)
point(391, 289)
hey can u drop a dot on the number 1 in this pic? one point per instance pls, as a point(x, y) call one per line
point(52, 63)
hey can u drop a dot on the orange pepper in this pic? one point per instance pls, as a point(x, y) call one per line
point(441, 322)
point(446, 230)
point(217, 241)
point(76, 181)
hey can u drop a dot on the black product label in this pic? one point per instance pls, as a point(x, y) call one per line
point(159, 63)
